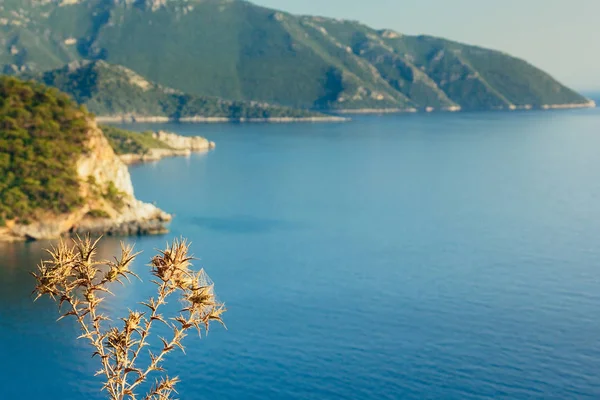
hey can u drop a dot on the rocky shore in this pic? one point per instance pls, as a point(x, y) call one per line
point(395, 110)
point(138, 219)
point(526, 107)
point(590, 104)
point(98, 169)
point(178, 146)
point(209, 120)
point(358, 111)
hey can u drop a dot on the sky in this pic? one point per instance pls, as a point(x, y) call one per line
point(561, 37)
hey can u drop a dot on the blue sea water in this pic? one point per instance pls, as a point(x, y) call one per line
point(451, 256)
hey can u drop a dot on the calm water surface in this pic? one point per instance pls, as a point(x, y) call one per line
point(417, 256)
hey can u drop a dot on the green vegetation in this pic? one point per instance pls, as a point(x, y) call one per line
point(113, 90)
point(95, 213)
point(235, 50)
point(42, 133)
point(127, 142)
point(114, 195)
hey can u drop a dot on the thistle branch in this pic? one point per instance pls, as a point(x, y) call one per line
point(73, 276)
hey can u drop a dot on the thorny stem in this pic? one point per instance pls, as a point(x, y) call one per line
point(91, 309)
point(97, 345)
point(154, 363)
point(108, 370)
point(162, 295)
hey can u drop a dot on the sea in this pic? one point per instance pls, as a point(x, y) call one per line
point(416, 256)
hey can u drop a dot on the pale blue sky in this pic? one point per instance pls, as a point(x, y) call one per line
point(560, 36)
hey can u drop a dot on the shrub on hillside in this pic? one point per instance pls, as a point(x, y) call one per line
point(42, 133)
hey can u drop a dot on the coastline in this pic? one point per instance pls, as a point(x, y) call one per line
point(100, 215)
point(589, 104)
point(211, 120)
point(512, 107)
point(138, 219)
point(358, 111)
point(341, 117)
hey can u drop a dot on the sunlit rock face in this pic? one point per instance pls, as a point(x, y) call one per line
point(98, 168)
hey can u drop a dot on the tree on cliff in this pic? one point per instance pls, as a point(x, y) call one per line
point(42, 133)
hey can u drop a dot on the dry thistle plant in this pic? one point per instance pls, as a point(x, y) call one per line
point(79, 283)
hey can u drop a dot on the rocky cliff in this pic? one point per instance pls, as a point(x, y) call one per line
point(110, 206)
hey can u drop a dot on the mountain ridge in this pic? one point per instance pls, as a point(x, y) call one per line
point(239, 51)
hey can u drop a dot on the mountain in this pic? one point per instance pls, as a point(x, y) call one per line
point(116, 92)
point(59, 173)
point(236, 50)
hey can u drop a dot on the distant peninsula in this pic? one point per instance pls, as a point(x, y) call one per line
point(117, 94)
point(181, 58)
point(140, 147)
